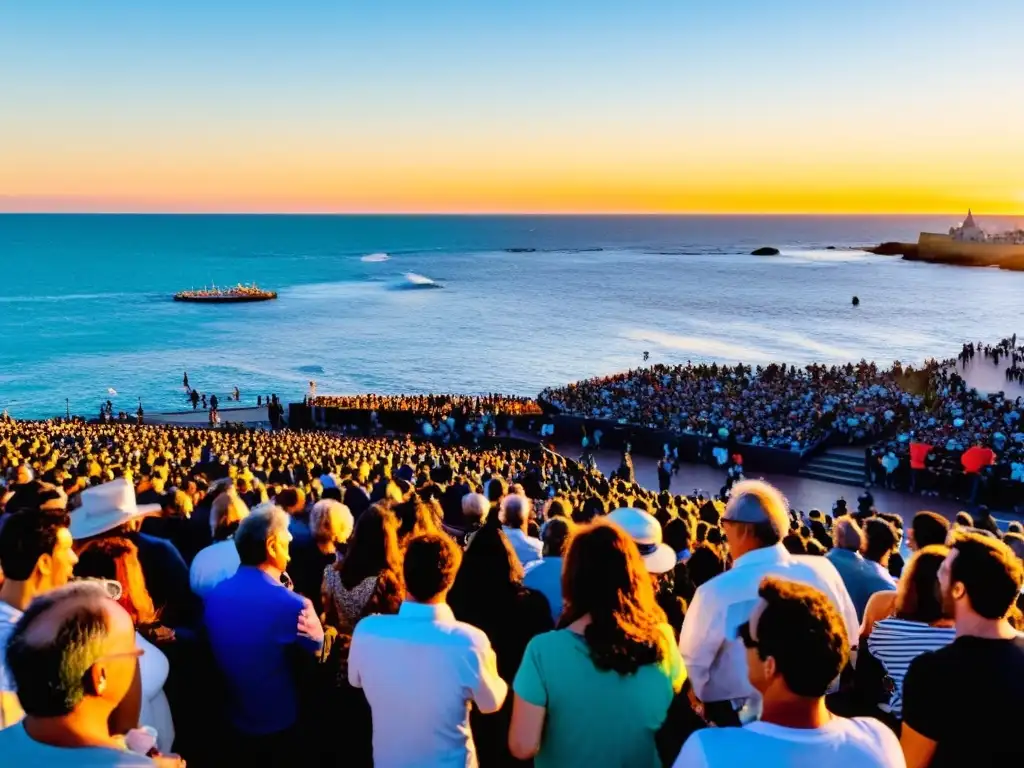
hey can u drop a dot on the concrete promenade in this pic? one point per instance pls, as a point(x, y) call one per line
point(201, 418)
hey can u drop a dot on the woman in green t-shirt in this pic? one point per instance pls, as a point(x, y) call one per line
point(596, 692)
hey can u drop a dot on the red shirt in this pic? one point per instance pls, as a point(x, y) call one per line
point(977, 458)
point(918, 453)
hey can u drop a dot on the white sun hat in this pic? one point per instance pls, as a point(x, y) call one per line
point(105, 507)
point(645, 531)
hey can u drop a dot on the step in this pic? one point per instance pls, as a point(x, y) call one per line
point(830, 478)
point(822, 463)
point(839, 461)
point(828, 468)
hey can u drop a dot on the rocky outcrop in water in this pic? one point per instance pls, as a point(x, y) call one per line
point(894, 249)
point(766, 251)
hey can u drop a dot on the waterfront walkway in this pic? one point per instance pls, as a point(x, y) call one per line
point(201, 418)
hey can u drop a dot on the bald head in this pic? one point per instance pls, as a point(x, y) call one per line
point(59, 651)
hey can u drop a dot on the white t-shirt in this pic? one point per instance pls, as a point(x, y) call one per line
point(862, 742)
point(212, 565)
point(156, 711)
point(17, 748)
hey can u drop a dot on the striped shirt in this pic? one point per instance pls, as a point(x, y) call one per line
point(896, 643)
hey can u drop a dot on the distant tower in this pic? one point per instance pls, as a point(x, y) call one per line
point(969, 231)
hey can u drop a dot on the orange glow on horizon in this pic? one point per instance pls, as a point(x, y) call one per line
point(472, 179)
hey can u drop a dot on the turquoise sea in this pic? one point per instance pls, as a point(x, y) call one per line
point(85, 301)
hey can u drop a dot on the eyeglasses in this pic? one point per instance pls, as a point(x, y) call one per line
point(111, 587)
point(743, 634)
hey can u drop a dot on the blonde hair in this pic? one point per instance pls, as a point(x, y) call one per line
point(226, 509)
point(322, 517)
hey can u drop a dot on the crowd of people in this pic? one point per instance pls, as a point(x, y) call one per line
point(955, 442)
point(923, 432)
point(240, 597)
point(439, 406)
point(776, 405)
point(239, 290)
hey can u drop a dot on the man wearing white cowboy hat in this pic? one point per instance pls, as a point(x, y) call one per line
point(109, 509)
point(645, 531)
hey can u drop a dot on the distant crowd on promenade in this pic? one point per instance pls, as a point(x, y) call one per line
point(776, 405)
point(276, 598)
point(955, 442)
point(938, 437)
point(432, 405)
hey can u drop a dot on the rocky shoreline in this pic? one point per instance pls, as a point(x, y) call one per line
point(912, 252)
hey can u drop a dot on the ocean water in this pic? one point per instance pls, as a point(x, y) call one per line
point(85, 302)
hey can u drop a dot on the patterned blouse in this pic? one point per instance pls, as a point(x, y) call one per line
point(347, 604)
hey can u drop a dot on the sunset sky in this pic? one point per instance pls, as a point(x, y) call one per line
point(512, 106)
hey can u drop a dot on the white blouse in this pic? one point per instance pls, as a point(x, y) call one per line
point(156, 712)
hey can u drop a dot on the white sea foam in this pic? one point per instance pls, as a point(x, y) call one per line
point(415, 280)
point(375, 257)
point(704, 346)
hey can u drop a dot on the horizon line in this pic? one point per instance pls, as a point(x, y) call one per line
point(591, 214)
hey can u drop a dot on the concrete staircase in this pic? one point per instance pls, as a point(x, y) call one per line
point(833, 467)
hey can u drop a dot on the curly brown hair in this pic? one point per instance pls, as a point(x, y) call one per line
point(604, 578)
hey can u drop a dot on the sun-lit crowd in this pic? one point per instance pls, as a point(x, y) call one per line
point(241, 597)
point(432, 405)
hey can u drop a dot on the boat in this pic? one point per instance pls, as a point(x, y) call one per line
point(236, 295)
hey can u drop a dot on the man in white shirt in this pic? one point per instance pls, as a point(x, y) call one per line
point(795, 645)
point(219, 561)
point(755, 520)
point(515, 515)
point(422, 670)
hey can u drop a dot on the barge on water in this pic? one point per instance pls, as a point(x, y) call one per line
point(236, 295)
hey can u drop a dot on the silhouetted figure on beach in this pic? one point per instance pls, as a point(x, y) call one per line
point(184, 380)
point(214, 402)
point(194, 397)
point(647, 355)
point(204, 402)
